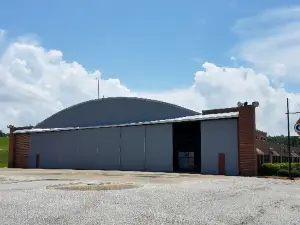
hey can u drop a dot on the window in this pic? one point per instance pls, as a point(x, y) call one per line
point(275, 159)
point(266, 158)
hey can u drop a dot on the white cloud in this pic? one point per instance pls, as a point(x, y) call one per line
point(36, 83)
point(270, 41)
point(2, 34)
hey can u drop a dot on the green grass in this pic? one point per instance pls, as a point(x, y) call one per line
point(3, 151)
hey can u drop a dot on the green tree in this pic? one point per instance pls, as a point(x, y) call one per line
point(2, 134)
point(295, 140)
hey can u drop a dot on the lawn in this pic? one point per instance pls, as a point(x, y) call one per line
point(3, 151)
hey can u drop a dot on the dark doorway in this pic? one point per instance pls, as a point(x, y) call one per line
point(187, 146)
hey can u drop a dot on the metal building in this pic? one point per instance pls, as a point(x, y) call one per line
point(132, 134)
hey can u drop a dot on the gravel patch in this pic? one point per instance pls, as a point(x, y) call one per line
point(232, 201)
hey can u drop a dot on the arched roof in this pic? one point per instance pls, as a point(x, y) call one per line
point(114, 110)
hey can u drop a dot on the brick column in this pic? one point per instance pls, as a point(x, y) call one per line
point(11, 148)
point(247, 147)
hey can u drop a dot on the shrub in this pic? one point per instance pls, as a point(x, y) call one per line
point(271, 169)
point(285, 173)
point(296, 173)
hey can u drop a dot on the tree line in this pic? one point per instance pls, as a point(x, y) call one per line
point(295, 140)
point(2, 134)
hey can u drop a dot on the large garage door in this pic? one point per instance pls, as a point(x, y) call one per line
point(65, 148)
point(41, 143)
point(132, 148)
point(98, 149)
point(86, 152)
point(56, 150)
point(159, 148)
point(108, 152)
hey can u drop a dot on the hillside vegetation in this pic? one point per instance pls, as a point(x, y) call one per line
point(3, 151)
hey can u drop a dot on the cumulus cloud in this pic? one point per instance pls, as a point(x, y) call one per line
point(270, 41)
point(35, 83)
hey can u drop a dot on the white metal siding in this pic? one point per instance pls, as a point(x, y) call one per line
point(132, 148)
point(159, 148)
point(219, 136)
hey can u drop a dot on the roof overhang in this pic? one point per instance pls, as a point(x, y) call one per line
point(275, 153)
point(230, 115)
point(259, 152)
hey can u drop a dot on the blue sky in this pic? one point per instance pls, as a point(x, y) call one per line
point(169, 50)
point(149, 45)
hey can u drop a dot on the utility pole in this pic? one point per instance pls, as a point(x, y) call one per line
point(289, 137)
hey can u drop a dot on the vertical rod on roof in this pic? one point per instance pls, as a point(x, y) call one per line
point(289, 137)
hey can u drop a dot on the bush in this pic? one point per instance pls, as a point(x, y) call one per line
point(285, 173)
point(296, 173)
point(271, 169)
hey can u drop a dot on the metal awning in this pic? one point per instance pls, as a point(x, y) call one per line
point(275, 153)
point(294, 154)
point(259, 152)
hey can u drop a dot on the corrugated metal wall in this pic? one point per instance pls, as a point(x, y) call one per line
point(125, 148)
point(108, 149)
point(140, 148)
point(219, 136)
point(159, 145)
point(133, 148)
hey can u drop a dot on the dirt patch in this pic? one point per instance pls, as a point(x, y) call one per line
point(98, 186)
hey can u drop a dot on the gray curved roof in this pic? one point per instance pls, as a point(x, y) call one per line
point(116, 110)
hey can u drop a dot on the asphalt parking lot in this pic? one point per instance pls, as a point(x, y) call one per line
point(160, 198)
